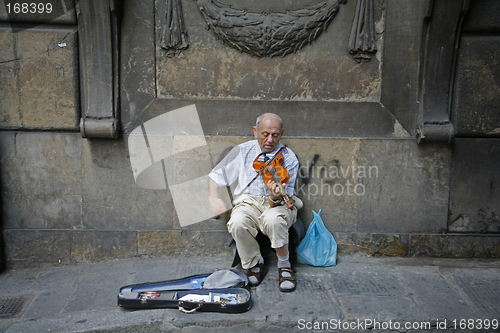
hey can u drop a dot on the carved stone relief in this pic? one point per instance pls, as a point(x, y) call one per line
point(362, 38)
point(268, 35)
point(174, 34)
point(268, 68)
point(273, 34)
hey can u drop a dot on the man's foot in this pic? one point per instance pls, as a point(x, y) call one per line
point(287, 279)
point(256, 274)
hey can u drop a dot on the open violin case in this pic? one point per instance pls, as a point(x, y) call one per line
point(222, 291)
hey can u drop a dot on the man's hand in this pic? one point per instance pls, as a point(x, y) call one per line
point(274, 190)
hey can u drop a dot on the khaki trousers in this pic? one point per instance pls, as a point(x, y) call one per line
point(251, 214)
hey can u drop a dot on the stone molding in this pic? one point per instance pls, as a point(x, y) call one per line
point(98, 46)
point(440, 37)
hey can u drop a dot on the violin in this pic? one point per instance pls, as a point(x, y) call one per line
point(273, 169)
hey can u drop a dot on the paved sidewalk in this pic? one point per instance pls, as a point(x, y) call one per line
point(360, 293)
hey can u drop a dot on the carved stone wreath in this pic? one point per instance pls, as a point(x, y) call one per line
point(268, 35)
point(273, 34)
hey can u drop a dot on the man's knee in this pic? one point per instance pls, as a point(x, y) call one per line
point(275, 227)
point(275, 222)
point(275, 218)
point(236, 228)
point(240, 226)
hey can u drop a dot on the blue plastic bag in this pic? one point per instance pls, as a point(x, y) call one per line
point(318, 248)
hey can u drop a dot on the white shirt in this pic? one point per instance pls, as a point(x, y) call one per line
point(238, 165)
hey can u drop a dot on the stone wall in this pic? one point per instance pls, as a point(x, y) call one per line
point(66, 199)
point(474, 195)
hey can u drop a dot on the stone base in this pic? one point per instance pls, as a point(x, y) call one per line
point(35, 248)
point(420, 245)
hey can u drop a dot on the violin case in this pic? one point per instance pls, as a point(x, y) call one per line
point(221, 291)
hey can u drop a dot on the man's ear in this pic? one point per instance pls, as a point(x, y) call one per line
point(255, 132)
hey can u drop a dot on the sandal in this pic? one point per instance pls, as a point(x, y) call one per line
point(259, 275)
point(290, 278)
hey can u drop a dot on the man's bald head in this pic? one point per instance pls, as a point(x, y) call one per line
point(266, 116)
point(268, 130)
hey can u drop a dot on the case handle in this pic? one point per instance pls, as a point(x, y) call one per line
point(181, 308)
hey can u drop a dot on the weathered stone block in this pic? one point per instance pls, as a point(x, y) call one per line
point(482, 17)
point(388, 245)
point(353, 243)
point(476, 97)
point(455, 246)
point(25, 248)
point(159, 243)
point(41, 180)
point(40, 212)
point(204, 242)
point(39, 79)
point(111, 198)
point(474, 200)
point(100, 245)
point(410, 192)
point(396, 245)
point(167, 243)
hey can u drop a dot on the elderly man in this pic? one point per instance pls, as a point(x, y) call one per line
point(259, 206)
